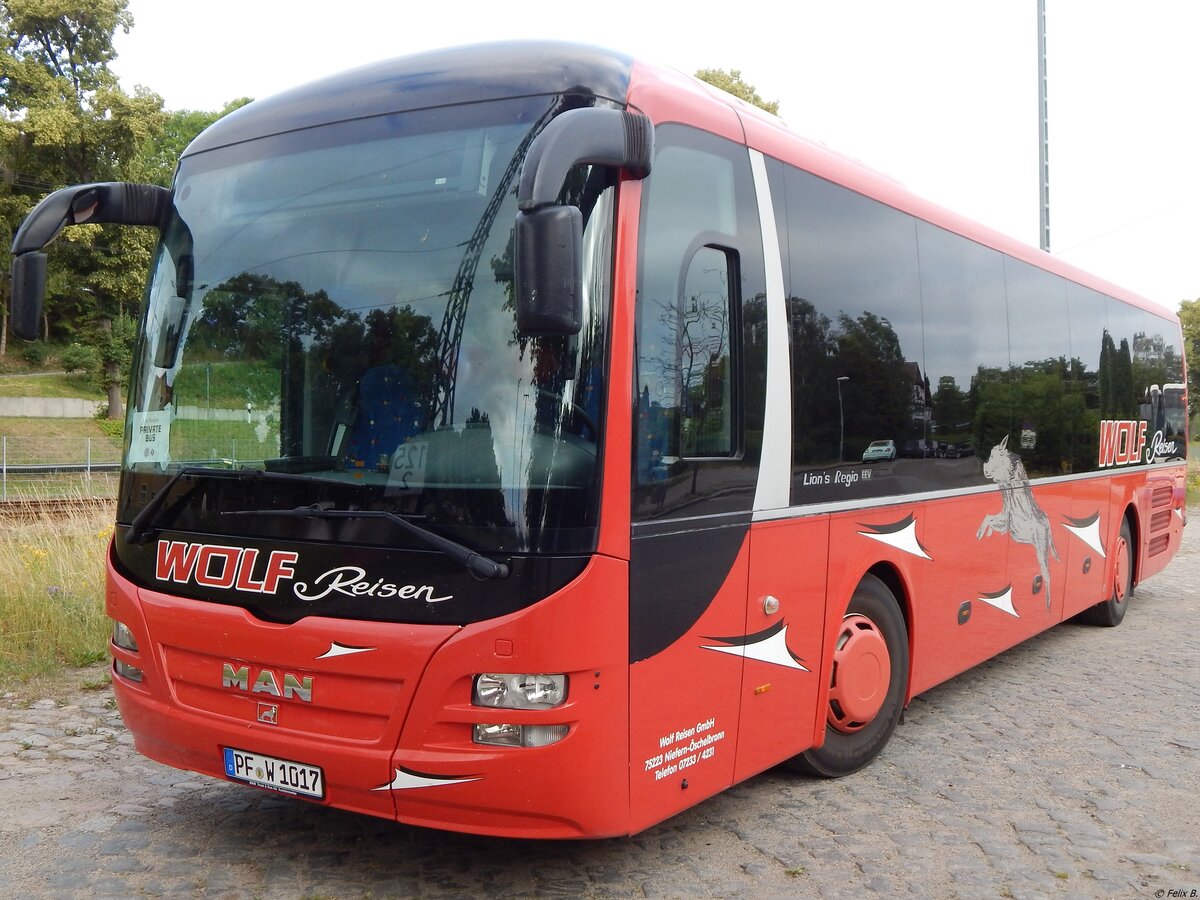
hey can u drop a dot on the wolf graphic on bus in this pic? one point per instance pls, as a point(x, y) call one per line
point(1020, 515)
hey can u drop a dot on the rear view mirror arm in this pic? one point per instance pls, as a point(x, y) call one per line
point(114, 202)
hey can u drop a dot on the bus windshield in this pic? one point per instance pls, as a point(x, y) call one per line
point(337, 303)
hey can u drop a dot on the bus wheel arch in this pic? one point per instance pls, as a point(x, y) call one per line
point(869, 680)
point(1135, 533)
point(1110, 611)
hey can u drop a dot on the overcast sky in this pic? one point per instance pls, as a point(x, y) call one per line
point(939, 94)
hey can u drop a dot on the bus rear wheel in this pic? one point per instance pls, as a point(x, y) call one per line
point(1110, 612)
point(867, 686)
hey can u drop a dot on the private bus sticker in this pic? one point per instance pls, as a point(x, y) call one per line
point(150, 437)
point(233, 568)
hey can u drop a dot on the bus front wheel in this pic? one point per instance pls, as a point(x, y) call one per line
point(868, 683)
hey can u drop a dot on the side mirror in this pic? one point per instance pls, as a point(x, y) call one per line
point(549, 271)
point(28, 289)
point(549, 267)
point(112, 202)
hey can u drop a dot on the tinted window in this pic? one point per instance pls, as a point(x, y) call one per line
point(1141, 378)
point(1039, 338)
point(854, 306)
point(915, 351)
point(1089, 333)
point(966, 349)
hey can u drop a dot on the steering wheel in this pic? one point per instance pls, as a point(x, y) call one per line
point(577, 412)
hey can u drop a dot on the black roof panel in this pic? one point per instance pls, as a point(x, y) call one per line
point(434, 78)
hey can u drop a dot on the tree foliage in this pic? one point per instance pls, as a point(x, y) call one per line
point(64, 119)
point(1189, 316)
point(731, 82)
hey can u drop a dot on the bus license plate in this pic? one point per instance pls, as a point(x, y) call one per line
point(275, 774)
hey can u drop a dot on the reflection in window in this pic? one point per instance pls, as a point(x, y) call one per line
point(706, 410)
point(854, 307)
point(346, 313)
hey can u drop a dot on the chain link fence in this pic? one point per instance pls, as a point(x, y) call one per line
point(42, 467)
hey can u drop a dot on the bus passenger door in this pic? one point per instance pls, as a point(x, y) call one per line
point(785, 622)
point(697, 439)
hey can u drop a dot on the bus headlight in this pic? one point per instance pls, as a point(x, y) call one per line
point(519, 691)
point(123, 637)
point(519, 735)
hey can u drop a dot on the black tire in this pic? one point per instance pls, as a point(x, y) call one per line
point(1109, 613)
point(845, 752)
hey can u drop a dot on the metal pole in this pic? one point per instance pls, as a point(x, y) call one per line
point(4, 469)
point(1043, 135)
point(841, 420)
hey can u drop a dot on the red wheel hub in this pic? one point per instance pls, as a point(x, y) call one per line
point(1120, 564)
point(862, 671)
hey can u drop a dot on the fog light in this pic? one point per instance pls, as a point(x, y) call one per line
point(519, 691)
point(123, 637)
point(519, 735)
point(133, 673)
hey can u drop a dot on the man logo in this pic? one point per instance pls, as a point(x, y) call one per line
point(268, 682)
point(268, 713)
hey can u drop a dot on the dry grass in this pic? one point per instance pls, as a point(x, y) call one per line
point(52, 594)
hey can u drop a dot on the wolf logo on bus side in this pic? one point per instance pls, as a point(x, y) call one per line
point(1020, 516)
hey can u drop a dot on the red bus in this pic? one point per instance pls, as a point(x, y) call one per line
point(495, 449)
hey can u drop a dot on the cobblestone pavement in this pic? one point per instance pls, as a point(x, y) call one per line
point(1069, 766)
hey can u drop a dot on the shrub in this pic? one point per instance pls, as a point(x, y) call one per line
point(35, 353)
point(112, 428)
point(52, 609)
point(77, 358)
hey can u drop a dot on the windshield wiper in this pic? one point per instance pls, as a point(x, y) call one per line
point(145, 522)
point(473, 561)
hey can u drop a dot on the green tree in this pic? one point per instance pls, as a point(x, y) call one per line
point(1189, 316)
point(731, 82)
point(160, 155)
point(867, 349)
point(67, 121)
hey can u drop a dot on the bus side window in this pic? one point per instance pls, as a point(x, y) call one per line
point(705, 327)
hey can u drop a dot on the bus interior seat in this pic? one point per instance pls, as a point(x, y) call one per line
point(387, 414)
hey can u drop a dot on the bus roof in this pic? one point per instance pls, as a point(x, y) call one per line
point(424, 80)
point(523, 68)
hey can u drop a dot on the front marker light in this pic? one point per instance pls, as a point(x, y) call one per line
point(519, 735)
point(133, 673)
point(519, 691)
